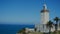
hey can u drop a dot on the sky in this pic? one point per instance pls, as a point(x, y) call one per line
point(26, 11)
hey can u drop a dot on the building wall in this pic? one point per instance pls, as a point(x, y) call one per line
point(43, 28)
point(44, 17)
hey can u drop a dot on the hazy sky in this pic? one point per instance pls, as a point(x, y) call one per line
point(26, 11)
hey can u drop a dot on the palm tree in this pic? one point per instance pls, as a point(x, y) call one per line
point(59, 22)
point(49, 25)
point(56, 25)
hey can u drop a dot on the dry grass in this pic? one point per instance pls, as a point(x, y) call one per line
point(35, 33)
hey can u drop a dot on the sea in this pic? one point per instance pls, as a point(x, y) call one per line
point(12, 28)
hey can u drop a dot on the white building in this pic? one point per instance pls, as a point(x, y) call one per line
point(44, 19)
point(29, 30)
point(41, 27)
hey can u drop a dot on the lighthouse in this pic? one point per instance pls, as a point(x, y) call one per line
point(44, 18)
point(44, 14)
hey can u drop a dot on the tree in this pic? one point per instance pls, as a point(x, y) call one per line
point(35, 29)
point(49, 25)
point(59, 23)
point(22, 31)
point(56, 19)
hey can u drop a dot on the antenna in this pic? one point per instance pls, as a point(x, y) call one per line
point(45, 7)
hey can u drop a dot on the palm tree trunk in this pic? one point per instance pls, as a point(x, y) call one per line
point(56, 27)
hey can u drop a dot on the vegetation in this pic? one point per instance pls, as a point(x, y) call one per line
point(49, 25)
point(56, 19)
point(35, 29)
point(22, 31)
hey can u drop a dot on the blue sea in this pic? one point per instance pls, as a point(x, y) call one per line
point(12, 29)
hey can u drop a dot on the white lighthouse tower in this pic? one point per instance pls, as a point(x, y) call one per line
point(44, 18)
point(44, 15)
